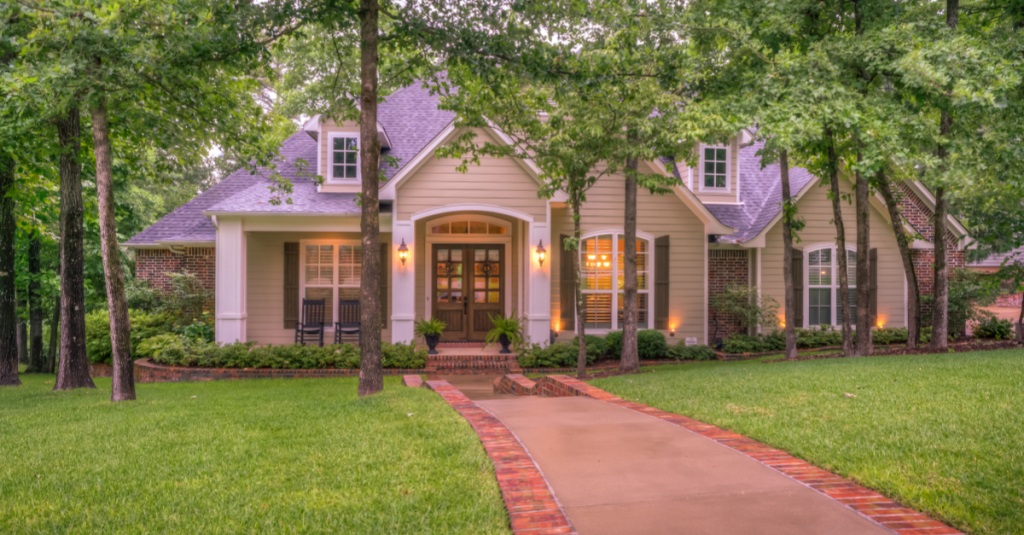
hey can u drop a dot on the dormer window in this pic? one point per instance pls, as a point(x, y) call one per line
point(714, 168)
point(344, 157)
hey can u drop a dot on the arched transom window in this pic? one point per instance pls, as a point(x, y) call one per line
point(468, 227)
point(823, 285)
point(603, 275)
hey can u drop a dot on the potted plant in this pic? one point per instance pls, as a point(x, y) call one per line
point(506, 330)
point(430, 330)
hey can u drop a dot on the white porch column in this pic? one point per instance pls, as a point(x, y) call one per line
point(230, 282)
point(538, 303)
point(403, 282)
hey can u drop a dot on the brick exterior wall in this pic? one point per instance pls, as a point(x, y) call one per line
point(1009, 300)
point(726, 267)
point(155, 266)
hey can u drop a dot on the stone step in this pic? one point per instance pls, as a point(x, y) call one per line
point(468, 363)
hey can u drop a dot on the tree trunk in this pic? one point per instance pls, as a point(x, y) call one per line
point(903, 241)
point(8, 305)
point(864, 289)
point(51, 350)
point(630, 351)
point(841, 260)
point(36, 358)
point(22, 341)
point(73, 365)
point(788, 211)
point(581, 305)
point(371, 374)
point(123, 377)
point(940, 303)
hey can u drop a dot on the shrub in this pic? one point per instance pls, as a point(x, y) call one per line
point(97, 331)
point(821, 337)
point(681, 351)
point(613, 341)
point(155, 346)
point(187, 299)
point(746, 308)
point(994, 328)
point(140, 296)
point(597, 348)
point(743, 343)
point(557, 355)
point(200, 330)
point(172, 350)
point(651, 344)
point(968, 292)
point(890, 335)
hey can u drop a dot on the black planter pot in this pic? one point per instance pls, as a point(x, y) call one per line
point(504, 341)
point(432, 340)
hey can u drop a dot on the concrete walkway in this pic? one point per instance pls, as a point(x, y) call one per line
point(617, 471)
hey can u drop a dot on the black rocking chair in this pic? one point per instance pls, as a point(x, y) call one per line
point(349, 322)
point(312, 324)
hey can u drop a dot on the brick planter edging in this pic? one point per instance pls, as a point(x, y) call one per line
point(516, 384)
point(147, 371)
point(532, 506)
point(868, 503)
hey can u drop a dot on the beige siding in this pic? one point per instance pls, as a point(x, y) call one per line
point(658, 215)
point(265, 283)
point(496, 181)
point(816, 209)
point(326, 127)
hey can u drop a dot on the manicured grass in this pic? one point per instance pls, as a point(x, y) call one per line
point(940, 433)
point(295, 456)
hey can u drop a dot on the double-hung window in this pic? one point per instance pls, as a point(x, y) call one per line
point(602, 272)
point(823, 285)
point(331, 270)
point(714, 167)
point(344, 157)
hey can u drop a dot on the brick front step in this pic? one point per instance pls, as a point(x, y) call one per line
point(470, 363)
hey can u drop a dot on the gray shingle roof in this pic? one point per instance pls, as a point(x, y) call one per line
point(412, 120)
point(1014, 256)
point(760, 194)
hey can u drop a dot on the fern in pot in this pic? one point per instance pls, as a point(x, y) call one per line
point(430, 330)
point(507, 331)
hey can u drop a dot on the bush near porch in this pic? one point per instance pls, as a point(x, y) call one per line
point(241, 457)
point(173, 350)
point(939, 433)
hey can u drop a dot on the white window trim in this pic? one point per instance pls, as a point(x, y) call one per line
point(852, 284)
point(329, 164)
point(329, 326)
point(728, 169)
point(649, 238)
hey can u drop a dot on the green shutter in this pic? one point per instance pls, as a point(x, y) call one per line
point(291, 285)
point(661, 276)
point(567, 287)
point(798, 287)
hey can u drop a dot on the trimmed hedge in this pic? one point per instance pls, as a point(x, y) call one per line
point(557, 355)
point(170, 350)
point(97, 332)
point(994, 328)
point(681, 351)
point(810, 339)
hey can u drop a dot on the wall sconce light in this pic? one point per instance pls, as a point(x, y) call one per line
point(542, 253)
point(672, 330)
point(403, 252)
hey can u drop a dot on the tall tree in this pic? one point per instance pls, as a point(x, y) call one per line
point(788, 220)
point(8, 306)
point(36, 361)
point(73, 365)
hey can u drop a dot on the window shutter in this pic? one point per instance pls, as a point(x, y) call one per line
point(385, 271)
point(567, 288)
point(291, 285)
point(798, 287)
point(661, 269)
point(873, 278)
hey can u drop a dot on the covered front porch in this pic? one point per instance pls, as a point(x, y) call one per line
point(460, 264)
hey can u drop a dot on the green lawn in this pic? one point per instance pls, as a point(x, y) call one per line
point(940, 433)
point(301, 455)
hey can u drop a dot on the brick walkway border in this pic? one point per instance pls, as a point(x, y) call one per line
point(868, 503)
point(531, 505)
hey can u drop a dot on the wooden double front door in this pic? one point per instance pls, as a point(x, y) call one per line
point(468, 288)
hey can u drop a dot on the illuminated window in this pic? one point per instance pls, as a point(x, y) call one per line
point(602, 278)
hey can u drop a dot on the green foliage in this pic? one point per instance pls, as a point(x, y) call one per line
point(429, 327)
point(681, 351)
point(994, 328)
point(201, 331)
point(184, 352)
point(97, 331)
point(140, 296)
point(614, 342)
point(738, 344)
point(597, 348)
point(747, 308)
point(557, 355)
point(889, 335)
point(187, 299)
point(968, 292)
point(510, 327)
point(154, 346)
point(651, 344)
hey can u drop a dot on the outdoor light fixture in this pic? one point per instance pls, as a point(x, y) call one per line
point(541, 253)
point(403, 252)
